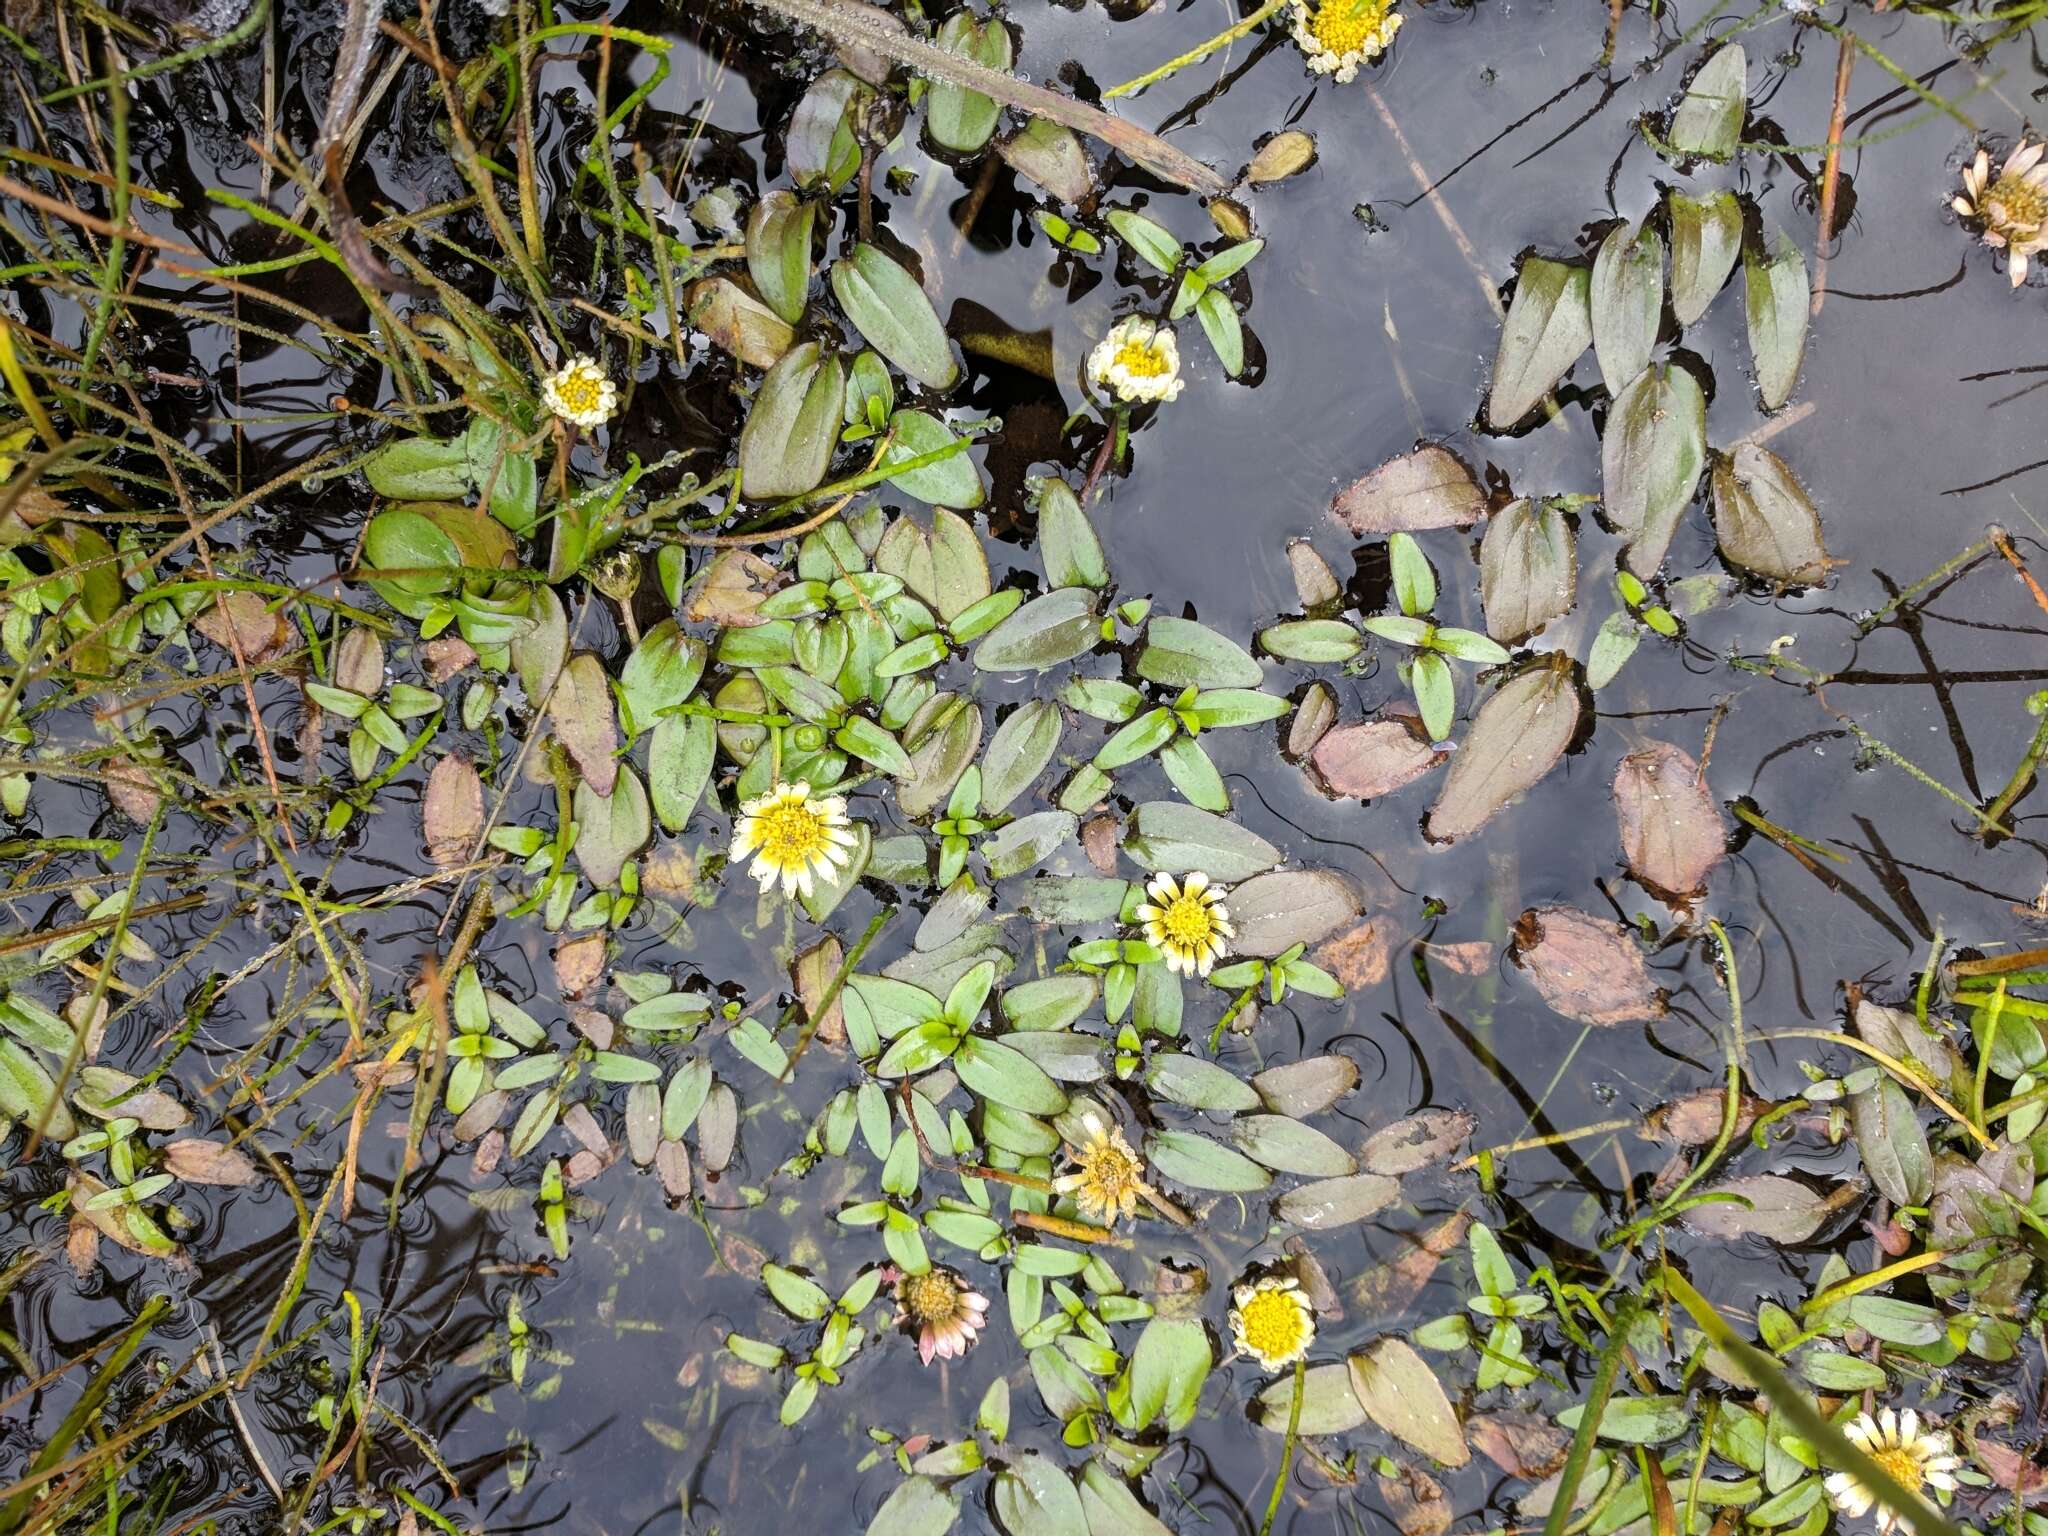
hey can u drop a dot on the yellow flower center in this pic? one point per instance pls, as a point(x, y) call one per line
point(2015, 207)
point(1187, 921)
point(1145, 359)
point(1273, 1323)
point(1111, 1167)
point(1902, 1462)
point(792, 833)
point(1343, 26)
point(930, 1298)
point(580, 391)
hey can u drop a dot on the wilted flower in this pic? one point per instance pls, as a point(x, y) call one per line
point(1138, 360)
point(1187, 922)
point(1893, 1440)
point(2013, 210)
point(1340, 35)
point(793, 837)
point(942, 1310)
point(1272, 1321)
point(1108, 1175)
point(579, 392)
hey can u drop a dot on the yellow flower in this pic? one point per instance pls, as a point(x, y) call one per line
point(792, 837)
point(1893, 1440)
point(579, 392)
point(1340, 35)
point(1108, 1175)
point(1272, 1321)
point(1138, 361)
point(2013, 210)
point(1187, 922)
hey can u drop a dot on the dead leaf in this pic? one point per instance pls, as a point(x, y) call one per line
point(672, 1162)
point(1389, 1288)
point(1099, 839)
point(452, 810)
point(731, 590)
point(1314, 582)
point(1429, 488)
point(1358, 958)
point(583, 1166)
point(1521, 1444)
point(82, 1246)
point(489, 1153)
point(1516, 737)
point(2011, 1470)
point(1770, 1206)
point(1363, 762)
point(586, 723)
point(1312, 1277)
point(446, 655)
point(1672, 831)
point(594, 1026)
point(579, 963)
point(131, 789)
point(359, 663)
point(580, 1123)
point(1275, 911)
point(247, 619)
point(1695, 1120)
point(1587, 968)
point(813, 972)
point(198, 1161)
point(1416, 1142)
point(1417, 1502)
point(1474, 957)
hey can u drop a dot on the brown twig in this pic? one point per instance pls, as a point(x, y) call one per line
point(1845, 64)
point(2003, 544)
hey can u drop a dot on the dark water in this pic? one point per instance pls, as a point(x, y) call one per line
point(1911, 425)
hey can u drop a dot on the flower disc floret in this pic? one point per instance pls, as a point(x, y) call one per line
point(1894, 1441)
point(1272, 1321)
point(942, 1310)
point(1108, 1175)
point(793, 838)
point(1137, 362)
point(2011, 211)
point(579, 392)
point(1187, 922)
point(1337, 36)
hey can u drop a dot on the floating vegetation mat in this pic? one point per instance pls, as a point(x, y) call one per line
point(1049, 771)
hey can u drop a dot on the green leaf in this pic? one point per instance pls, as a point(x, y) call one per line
point(610, 831)
point(1007, 1076)
point(1044, 633)
point(1229, 261)
point(662, 672)
point(786, 444)
point(1313, 640)
point(1776, 304)
point(1650, 461)
point(914, 656)
point(1148, 239)
point(1436, 693)
point(1032, 1497)
point(1018, 753)
point(1112, 1509)
point(1200, 1163)
point(794, 1294)
point(862, 738)
point(1401, 1394)
point(889, 309)
point(1168, 1366)
point(1414, 580)
point(1180, 653)
point(1190, 771)
point(1708, 122)
point(918, 1508)
point(1549, 323)
point(1528, 569)
point(1288, 1146)
point(779, 252)
point(1049, 154)
point(1706, 237)
point(1328, 1404)
point(1143, 736)
point(1168, 837)
point(1027, 841)
point(1224, 330)
point(1051, 1003)
point(950, 482)
point(679, 766)
point(1637, 1420)
point(670, 1011)
point(819, 144)
point(1220, 708)
point(1197, 1084)
point(1067, 545)
point(751, 1039)
point(1764, 520)
point(959, 119)
point(419, 469)
point(1616, 641)
point(1626, 297)
point(1892, 1143)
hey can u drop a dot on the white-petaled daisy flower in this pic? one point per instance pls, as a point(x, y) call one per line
point(1108, 1174)
point(1186, 922)
point(1138, 361)
point(2012, 210)
point(1893, 1440)
point(1339, 35)
point(792, 837)
point(942, 1310)
point(1272, 1321)
point(579, 392)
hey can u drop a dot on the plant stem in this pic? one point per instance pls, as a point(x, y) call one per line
point(1196, 54)
point(1287, 1450)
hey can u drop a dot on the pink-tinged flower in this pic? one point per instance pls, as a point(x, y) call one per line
point(2012, 211)
point(942, 1311)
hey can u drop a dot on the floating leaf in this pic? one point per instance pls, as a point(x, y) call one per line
point(1303, 1088)
point(1767, 1205)
point(1006, 1075)
point(1764, 520)
point(1287, 1146)
point(612, 830)
point(1549, 323)
point(1067, 544)
point(1328, 1404)
point(779, 251)
point(1517, 736)
point(1429, 488)
point(1200, 1163)
point(1528, 569)
point(1043, 633)
point(1312, 640)
point(1112, 1509)
point(1587, 968)
point(1892, 1143)
point(1708, 122)
point(1287, 153)
point(1626, 297)
point(892, 314)
point(957, 118)
point(452, 810)
point(1027, 841)
point(1672, 833)
point(1650, 461)
point(679, 762)
point(582, 713)
point(954, 482)
point(1776, 304)
point(1373, 759)
point(1179, 653)
point(937, 763)
point(819, 143)
point(1637, 1420)
point(1032, 1497)
point(734, 321)
point(1198, 1084)
point(1331, 1203)
point(1401, 1394)
point(1051, 155)
point(1167, 1369)
point(1706, 237)
point(1416, 1142)
point(198, 1161)
point(918, 1507)
point(1274, 912)
point(1167, 837)
point(1018, 753)
point(790, 432)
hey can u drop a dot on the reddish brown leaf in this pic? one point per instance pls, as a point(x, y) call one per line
point(1099, 840)
point(82, 1247)
point(585, 721)
point(1417, 1502)
point(198, 1161)
point(731, 589)
point(1416, 1142)
point(1358, 958)
point(446, 655)
point(1388, 1288)
point(1474, 957)
point(359, 663)
point(452, 810)
point(247, 619)
point(579, 963)
point(1672, 833)
point(132, 791)
point(1515, 738)
point(1521, 1444)
point(1695, 1120)
point(2012, 1470)
point(813, 971)
point(1429, 488)
point(594, 1026)
point(1587, 968)
point(1366, 761)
